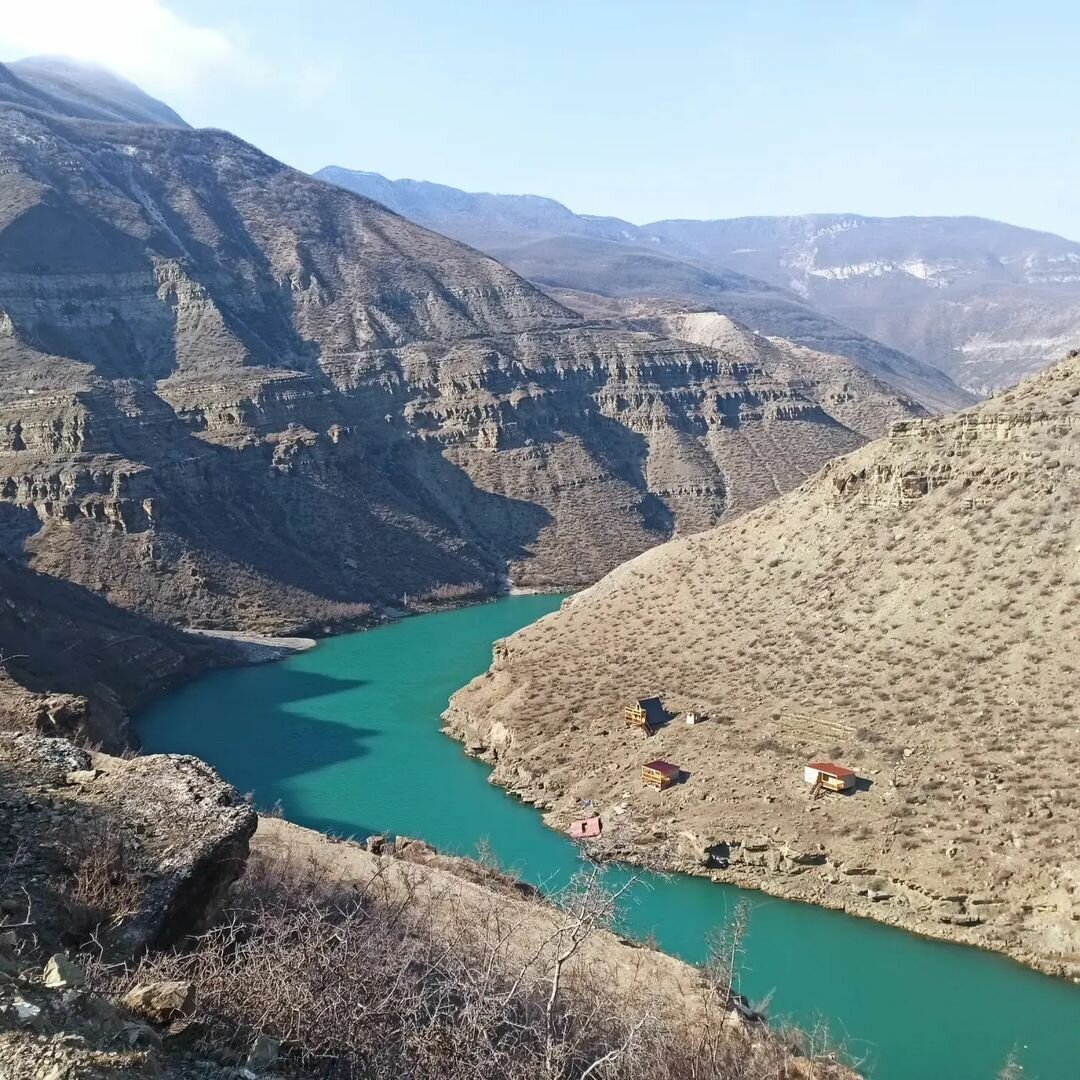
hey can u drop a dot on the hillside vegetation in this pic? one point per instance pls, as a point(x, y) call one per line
point(913, 612)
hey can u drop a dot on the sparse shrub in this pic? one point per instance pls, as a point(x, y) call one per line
point(378, 983)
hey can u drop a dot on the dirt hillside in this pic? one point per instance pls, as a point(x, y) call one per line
point(910, 612)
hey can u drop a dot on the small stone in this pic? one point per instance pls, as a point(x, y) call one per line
point(184, 1032)
point(263, 1053)
point(62, 973)
point(25, 1012)
point(83, 776)
point(161, 1001)
point(135, 1035)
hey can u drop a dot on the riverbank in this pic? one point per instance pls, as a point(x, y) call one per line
point(765, 843)
point(259, 648)
point(770, 861)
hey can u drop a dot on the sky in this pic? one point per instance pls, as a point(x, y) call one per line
point(643, 110)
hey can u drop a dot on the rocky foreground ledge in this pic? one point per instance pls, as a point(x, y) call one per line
point(129, 893)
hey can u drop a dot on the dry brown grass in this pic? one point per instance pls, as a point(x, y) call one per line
point(104, 885)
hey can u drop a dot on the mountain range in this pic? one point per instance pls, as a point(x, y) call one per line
point(233, 396)
point(982, 301)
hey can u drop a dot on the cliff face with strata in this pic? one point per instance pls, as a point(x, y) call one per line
point(233, 396)
point(911, 613)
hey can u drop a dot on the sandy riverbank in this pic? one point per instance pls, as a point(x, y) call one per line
point(260, 648)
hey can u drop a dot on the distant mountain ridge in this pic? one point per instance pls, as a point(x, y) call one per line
point(558, 249)
point(983, 301)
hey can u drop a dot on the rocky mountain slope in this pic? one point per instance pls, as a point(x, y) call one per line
point(984, 301)
point(75, 88)
point(232, 396)
point(72, 664)
point(912, 613)
point(599, 257)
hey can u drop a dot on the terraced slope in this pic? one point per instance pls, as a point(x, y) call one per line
point(913, 612)
point(603, 259)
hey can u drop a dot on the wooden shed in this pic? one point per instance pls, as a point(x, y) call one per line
point(586, 828)
point(647, 713)
point(829, 776)
point(660, 774)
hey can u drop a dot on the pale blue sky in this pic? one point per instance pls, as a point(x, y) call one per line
point(686, 108)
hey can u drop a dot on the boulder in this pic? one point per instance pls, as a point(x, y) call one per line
point(165, 830)
point(692, 848)
point(264, 1052)
point(62, 973)
point(161, 1001)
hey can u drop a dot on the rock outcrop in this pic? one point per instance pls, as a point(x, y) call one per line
point(911, 612)
point(136, 852)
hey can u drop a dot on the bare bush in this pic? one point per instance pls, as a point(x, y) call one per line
point(368, 982)
point(104, 885)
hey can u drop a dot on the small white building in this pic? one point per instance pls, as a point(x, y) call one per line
point(694, 718)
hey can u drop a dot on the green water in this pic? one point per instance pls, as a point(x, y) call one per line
point(347, 738)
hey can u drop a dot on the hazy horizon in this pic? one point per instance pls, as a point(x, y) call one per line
point(621, 109)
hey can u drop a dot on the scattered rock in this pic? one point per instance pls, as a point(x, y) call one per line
point(83, 776)
point(25, 1012)
point(183, 1032)
point(62, 973)
point(135, 1035)
point(263, 1054)
point(407, 845)
point(162, 1001)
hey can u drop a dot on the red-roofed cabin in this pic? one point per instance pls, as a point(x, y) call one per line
point(831, 777)
point(585, 828)
point(660, 774)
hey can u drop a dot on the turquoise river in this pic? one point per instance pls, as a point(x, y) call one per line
point(347, 738)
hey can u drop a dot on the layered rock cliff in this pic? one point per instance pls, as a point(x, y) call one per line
point(910, 613)
point(232, 396)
